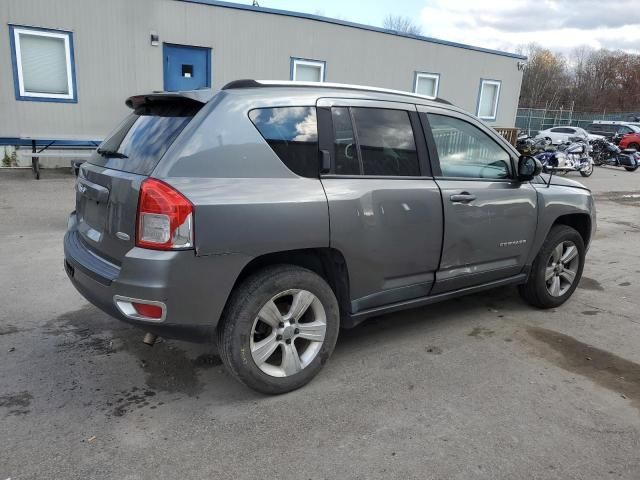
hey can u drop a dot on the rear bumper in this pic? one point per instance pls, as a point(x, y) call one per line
point(194, 289)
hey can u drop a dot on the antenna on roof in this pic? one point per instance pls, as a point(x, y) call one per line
point(255, 3)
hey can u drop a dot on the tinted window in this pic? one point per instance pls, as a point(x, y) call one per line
point(466, 151)
point(292, 133)
point(345, 152)
point(386, 142)
point(624, 129)
point(144, 136)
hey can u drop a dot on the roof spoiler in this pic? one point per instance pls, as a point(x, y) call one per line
point(197, 96)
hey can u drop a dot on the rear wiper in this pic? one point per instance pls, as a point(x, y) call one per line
point(111, 153)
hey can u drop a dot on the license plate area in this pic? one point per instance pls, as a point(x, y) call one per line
point(92, 207)
point(91, 220)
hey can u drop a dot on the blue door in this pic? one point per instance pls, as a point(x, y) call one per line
point(186, 68)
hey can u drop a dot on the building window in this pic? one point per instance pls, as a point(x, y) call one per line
point(426, 84)
point(488, 99)
point(303, 70)
point(43, 64)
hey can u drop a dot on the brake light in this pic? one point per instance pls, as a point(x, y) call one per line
point(165, 217)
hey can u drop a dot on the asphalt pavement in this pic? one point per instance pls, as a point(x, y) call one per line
point(482, 387)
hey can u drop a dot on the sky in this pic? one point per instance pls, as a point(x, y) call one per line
point(561, 25)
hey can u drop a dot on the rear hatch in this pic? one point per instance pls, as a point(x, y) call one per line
point(109, 182)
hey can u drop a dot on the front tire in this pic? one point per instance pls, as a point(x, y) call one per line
point(279, 328)
point(587, 172)
point(556, 270)
point(630, 169)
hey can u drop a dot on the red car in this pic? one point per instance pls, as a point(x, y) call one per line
point(630, 140)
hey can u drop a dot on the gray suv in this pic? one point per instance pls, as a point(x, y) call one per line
point(267, 215)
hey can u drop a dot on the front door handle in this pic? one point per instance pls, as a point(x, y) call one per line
point(464, 197)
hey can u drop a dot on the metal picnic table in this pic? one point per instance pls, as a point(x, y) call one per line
point(40, 145)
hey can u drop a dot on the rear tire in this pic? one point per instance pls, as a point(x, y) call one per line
point(630, 169)
point(560, 259)
point(278, 329)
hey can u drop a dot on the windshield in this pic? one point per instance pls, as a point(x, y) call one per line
point(140, 141)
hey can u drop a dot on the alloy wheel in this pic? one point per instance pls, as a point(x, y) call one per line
point(288, 333)
point(562, 268)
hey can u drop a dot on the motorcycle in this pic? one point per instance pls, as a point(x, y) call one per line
point(572, 156)
point(608, 153)
point(530, 146)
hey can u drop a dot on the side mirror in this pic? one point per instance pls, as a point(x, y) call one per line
point(528, 168)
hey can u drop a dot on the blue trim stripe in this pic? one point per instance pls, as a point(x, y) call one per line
point(41, 142)
point(14, 64)
point(319, 18)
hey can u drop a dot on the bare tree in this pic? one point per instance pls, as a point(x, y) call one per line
point(401, 24)
point(590, 80)
point(545, 78)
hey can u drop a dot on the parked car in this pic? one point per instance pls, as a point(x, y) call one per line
point(630, 141)
point(559, 135)
point(610, 128)
point(267, 215)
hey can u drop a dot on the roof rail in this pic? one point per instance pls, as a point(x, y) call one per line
point(250, 83)
point(242, 83)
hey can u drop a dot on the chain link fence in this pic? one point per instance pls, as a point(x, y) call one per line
point(532, 120)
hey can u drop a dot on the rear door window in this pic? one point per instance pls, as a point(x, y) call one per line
point(141, 140)
point(374, 141)
point(386, 142)
point(292, 133)
point(346, 159)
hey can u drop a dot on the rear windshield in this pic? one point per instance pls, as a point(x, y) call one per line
point(140, 141)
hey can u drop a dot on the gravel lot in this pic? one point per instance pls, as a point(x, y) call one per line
point(482, 387)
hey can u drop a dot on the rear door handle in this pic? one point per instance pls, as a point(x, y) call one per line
point(464, 197)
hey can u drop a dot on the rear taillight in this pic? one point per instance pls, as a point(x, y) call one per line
point(165, 217)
